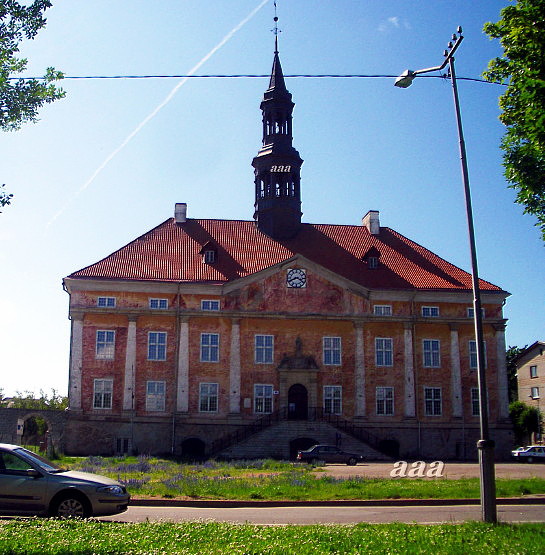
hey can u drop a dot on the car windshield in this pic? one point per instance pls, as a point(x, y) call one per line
point(40, 461)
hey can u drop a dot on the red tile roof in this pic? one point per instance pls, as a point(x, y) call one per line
point(170, 253)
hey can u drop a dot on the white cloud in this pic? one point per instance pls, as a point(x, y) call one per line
point(393, 22)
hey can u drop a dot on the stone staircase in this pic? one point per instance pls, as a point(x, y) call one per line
point(280, 439)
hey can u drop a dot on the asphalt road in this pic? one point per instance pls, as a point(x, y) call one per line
point(324, 515)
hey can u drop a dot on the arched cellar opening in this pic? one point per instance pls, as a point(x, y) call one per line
point(300, 444)
point(193, 449)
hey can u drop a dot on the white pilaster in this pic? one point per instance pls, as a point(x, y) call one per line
point(503, 391)
point(76, 361)
point(234, 369)
point(359, 377)
point(455, 374)
point(182, 392)
point(410, 397)
point(130, 367)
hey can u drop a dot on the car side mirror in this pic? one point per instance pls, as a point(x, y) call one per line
point(32, 473)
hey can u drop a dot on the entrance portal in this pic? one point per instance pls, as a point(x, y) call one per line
point(297, 402)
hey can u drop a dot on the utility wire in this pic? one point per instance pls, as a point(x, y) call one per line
point(256, 76)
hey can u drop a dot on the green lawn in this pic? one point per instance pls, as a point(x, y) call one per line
point(86, 537)
point(274, 480)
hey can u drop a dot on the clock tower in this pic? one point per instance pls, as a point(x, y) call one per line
point(277, 166)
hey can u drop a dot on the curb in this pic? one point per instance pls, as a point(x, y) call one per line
point(231, 504)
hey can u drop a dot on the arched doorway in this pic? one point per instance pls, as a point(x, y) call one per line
point(297, 402)
point(193, 449)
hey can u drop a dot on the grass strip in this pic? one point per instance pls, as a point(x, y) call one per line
point(57, 537)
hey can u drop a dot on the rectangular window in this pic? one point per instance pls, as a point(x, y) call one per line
point(208, 397)
point(533, 371)
point(264, 349)
point(161, 304)
point(102, 394)
point(263, 399)
point(155, 396)
point(430, 311)
point(382, 310)
point(210, 305)
point(157, 345)
point(535, 392)
point(383, 351)
point(473, 355)
point(210, 347)
point(431, 350)
point(333, 397)
point(106, 302)
point(471, 312)
point(432, 401)
point(332, 351)
point(475, 401)
point(105, 344)
point(385, 401)
point(209, 257)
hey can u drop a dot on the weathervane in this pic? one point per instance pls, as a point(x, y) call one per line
point(276, 30)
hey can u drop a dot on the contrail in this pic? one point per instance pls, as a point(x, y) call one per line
point(148, 118)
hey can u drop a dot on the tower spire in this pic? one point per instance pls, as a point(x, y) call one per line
point(277, 165)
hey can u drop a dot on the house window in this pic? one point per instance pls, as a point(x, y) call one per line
point(157, 345)
point(122, 446)
point(431, 348)
point(263, 399)
point(102, 394)
point(382, 310)
point(430, 311)
point(372, 262)
point(155, 396)
point(432, 401)
point(332, 351)
point(473, 355)
point(105, 344)
point(209, 257)
point(471, 312)
point(264, 349)
point(533, 371)
point(535, 393)
point(158, 303)
point(333, 398)
point(208, 397)
point(106, 302)
point(210, 305)
point(475, 402)
point(385, 401)
point(210, 347)
point(383, 351)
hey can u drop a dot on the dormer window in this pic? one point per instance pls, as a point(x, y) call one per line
point(372, 262)
point(372, 257)
point(209, 253)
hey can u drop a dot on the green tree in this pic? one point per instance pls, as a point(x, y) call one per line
point(27, 400)
point(526, 421)
point(511, 356)
point(521, 31)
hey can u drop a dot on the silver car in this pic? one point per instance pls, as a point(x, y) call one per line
point(32, 485)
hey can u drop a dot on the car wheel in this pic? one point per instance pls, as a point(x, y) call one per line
point(530, 459)
point(71, 506)
point(352, 461)
point(313, 461)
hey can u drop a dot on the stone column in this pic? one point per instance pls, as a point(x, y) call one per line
point(359, 377)
point(455, 373)
point(76, 361)
point(130, 366)
point(182, 387)
point(234, 369)
point(410, 396)
point(503, 387)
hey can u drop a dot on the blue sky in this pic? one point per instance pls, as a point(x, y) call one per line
point(85, 183)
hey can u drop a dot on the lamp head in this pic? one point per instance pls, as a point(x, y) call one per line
point(405, 79)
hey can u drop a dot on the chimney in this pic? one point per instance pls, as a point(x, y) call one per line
point(371, 222)
point(180, 212)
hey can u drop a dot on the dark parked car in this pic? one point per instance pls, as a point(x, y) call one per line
point(32, 485)
point(328, 454)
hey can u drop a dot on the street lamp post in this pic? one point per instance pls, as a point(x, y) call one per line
point(485, 445)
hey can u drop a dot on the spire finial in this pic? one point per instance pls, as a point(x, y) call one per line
point(276, 30)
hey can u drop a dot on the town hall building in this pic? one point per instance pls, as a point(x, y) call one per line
point(255, 338)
